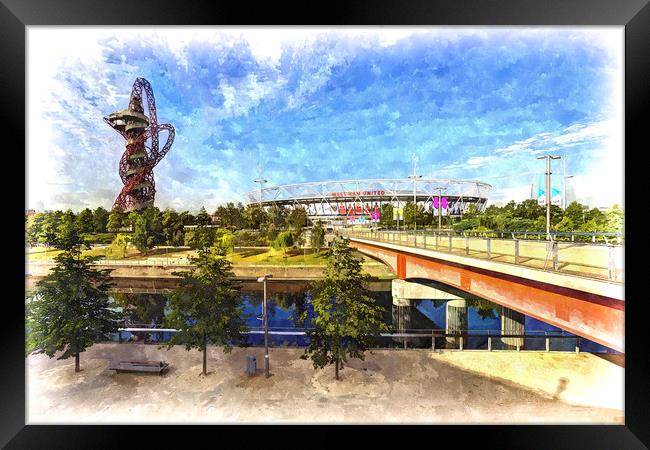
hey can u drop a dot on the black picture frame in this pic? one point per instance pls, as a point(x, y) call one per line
point(15, 15)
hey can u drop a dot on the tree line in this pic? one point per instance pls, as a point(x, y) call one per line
point(150, 227)
point(527, 215)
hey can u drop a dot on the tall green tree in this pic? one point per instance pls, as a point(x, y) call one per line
point(346, 316)
point(147, 229)
point(172, 223)
point(115, 220)
point(69, 309)
point(296, 220)
point(317, 236)
point(283, 241)
point(386, 215)
point(142, 238)
point(49, 230)
point(614, 218)
point(576, 213)
point(100, 220)
point(254, 216)
point(34, 228)
point(203, 218)
point(207, 307)
point(202, 237)
point(85, 221)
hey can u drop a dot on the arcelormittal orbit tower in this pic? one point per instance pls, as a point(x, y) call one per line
point(139, 159)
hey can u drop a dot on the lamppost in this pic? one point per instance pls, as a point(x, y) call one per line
point(548, 159)
point(266, 326)
point(414, 177)
point(440, 189)
point(261, 181)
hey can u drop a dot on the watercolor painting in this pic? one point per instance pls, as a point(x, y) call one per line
point(325, 225)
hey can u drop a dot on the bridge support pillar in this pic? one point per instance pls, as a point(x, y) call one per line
point(456, 318)
point(401, 313)
point(512, 322)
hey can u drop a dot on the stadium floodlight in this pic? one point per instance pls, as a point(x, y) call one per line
point(261, 181)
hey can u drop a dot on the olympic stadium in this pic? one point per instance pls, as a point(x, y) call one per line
point(360, 201)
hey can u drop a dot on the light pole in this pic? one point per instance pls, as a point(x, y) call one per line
point(414, 177)
point(266, 326)
point(440, 207)
point(261, 181)
point(548, 159)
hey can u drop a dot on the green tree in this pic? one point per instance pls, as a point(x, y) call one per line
point(172, 224)
point(317, 236)
point(225, 240)
point(147, 229)
point(50, 228)
point(187, 218)
point(207, 307)
point(34, 228)
point(85, 221)
point(529, 209)
point(410, 214)
point(614, 219)
point(277, 216)
point(117, 249)
point(283, 241)
point(115, 220)
point(565, 225)
point(202, 237)
point(296, 220)
point(100, 220)
point(69, 309)
point(231, 216)
point(576, 213)
point(557, 214)
point(203, 218)
point(142, 238)
point(254, 216)
point(386, 215)
point(346, 316)
point(598, 216)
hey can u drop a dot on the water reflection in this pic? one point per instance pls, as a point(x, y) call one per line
point(284, 308)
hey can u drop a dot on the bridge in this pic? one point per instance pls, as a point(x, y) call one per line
point(575, 286)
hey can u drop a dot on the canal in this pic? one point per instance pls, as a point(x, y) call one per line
point(479, 319)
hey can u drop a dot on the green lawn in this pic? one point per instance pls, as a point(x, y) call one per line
point(254, 256)
point(44, 253)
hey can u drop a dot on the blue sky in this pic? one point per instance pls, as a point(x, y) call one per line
point(299, 105)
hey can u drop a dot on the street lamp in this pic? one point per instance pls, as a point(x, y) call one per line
point(261, 181)
point(266, 326)
point(440, 189)
point(414, 177)
point(548, 159)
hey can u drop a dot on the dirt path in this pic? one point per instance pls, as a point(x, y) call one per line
point(388, 387)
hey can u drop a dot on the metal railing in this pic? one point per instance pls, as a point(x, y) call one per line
point(598, 261)
point(488, 340)
point(573, 236)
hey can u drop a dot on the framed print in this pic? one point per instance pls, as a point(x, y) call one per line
point(404, 215)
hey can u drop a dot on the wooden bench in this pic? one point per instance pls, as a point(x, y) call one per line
point(141, 366)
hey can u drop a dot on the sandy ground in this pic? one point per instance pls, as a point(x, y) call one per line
point(390, 386)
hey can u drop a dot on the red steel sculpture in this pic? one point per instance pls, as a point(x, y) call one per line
point(139, 159)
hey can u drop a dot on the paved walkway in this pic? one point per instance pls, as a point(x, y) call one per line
point(416, 386)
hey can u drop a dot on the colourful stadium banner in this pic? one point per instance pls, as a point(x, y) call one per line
point(556, 193)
